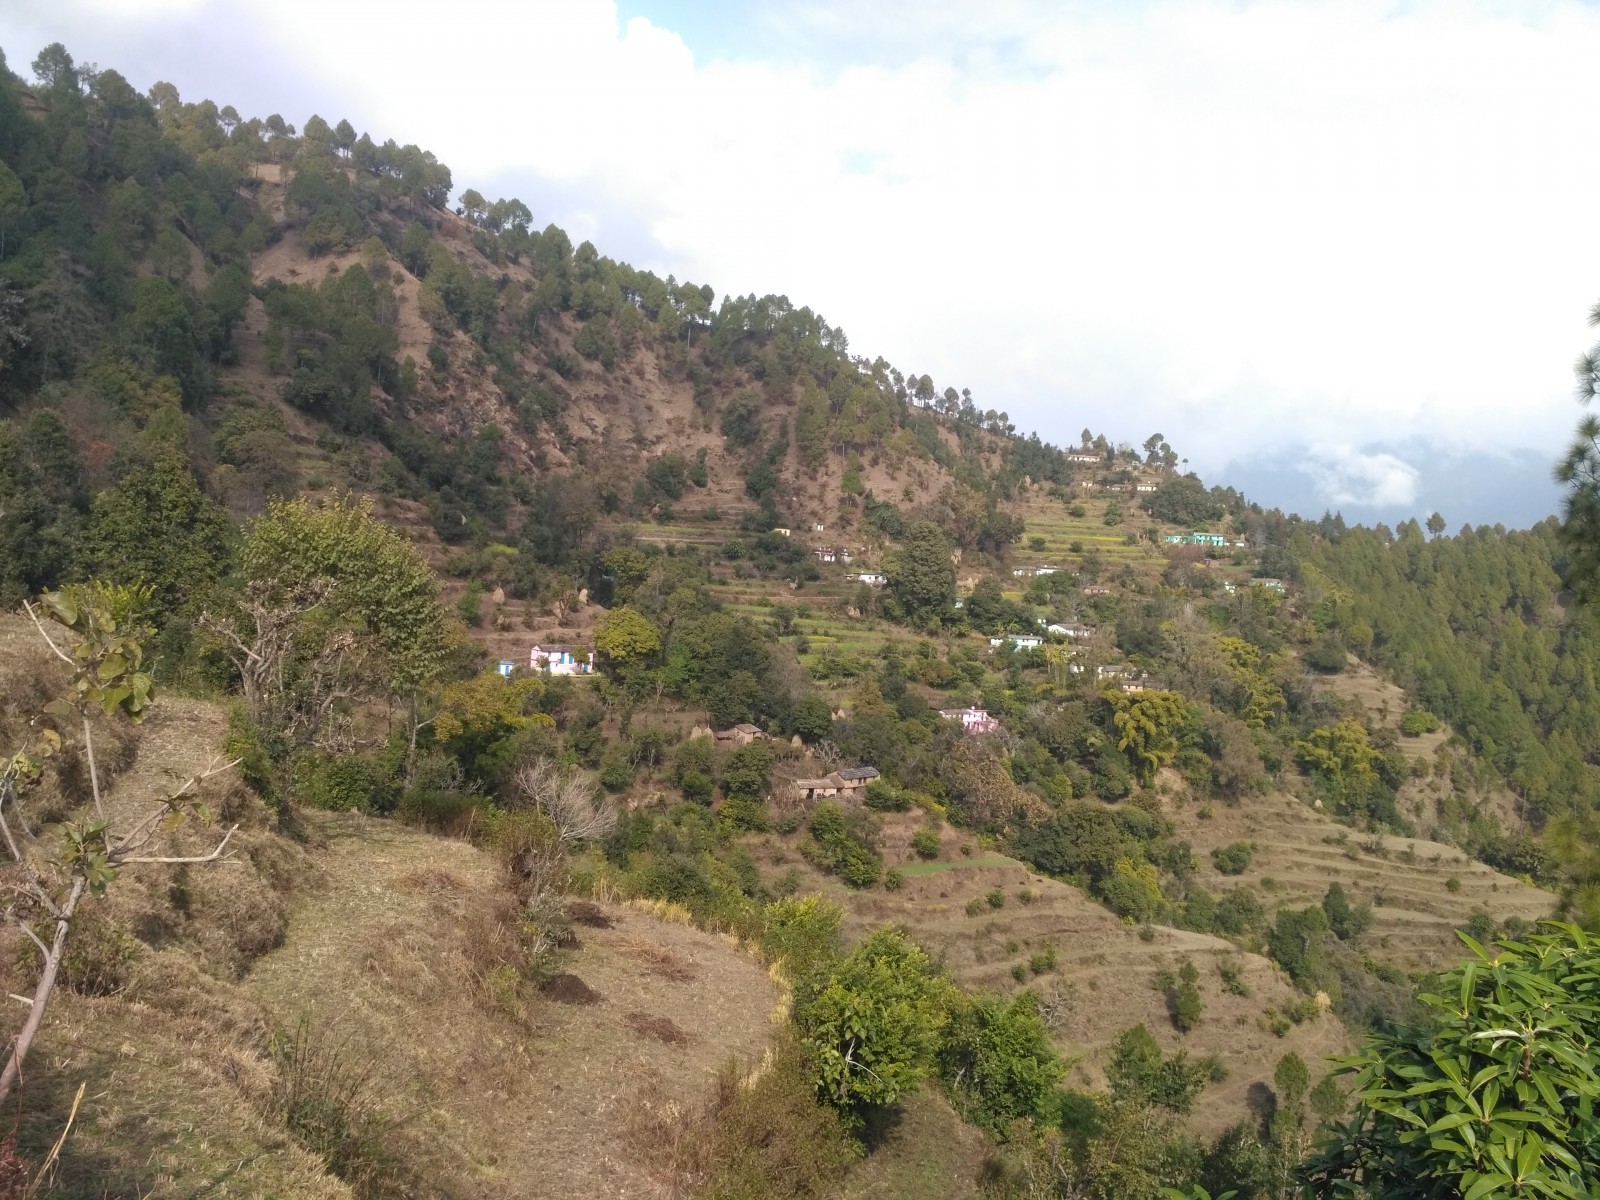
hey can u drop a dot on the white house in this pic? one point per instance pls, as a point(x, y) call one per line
point(1084, 456)
point(826, 555)
point(504, 667)
point(559, 660)
point(1073, 630)
point(781, 531)
point(1021, 572)
point(871, 578)
point(1025, 641)
point(1045, 570)
point(1275, 585)
point(973, 720)
point(818, 527)
point(1097, 589)
point(1146, 487)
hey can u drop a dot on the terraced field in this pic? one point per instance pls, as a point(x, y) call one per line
point(1299, 851)
point(1100, 979)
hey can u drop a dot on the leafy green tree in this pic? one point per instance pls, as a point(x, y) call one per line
point(626, 642)
point(1147, 727)
point(998, 1062)
point(873, 1023)
point(1183, 501)
point(1495, 1096)
point(1436, 524)
point(841, 849)
point(156, 527)
point(1139, 1072)
point(13, 203)
point(921, 573)
point(329, 589)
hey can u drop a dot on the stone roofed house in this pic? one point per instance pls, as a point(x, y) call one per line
point(973, 719)
point(849, 782)
point(559, 660)
point(741, 734)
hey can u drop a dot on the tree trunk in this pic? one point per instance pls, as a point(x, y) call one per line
point(41, 994)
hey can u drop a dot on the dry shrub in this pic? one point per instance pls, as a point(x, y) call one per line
point(435, 881)
point(328, 1097)
point(761, 1136)
point(99, 955)
point(496, 955)
point(234, 916)
point(584, 912)
point(569, 989)
point(658, 960)
point(14, 1171)
point(663, 1029)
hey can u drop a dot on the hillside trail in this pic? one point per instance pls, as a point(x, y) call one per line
point(504, 1103)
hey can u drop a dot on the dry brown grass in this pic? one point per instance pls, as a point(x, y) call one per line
point(658, 960)
point(433, 880)
point(660, 1028)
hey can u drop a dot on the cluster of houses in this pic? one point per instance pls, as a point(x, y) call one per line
point(1272, 585)
point(1026, 572)
point(973, 719)
point(848, 783)
point(1124, 676)
point(831, 554)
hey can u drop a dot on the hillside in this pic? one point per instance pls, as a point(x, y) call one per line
point(854, 689)
point(354, 963)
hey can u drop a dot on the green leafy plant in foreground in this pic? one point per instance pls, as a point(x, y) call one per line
point(1495, 1098)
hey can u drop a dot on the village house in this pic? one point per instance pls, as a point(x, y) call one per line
point(1086, 485)
point(973, 720)
point(560, 660)
point(1114, 671)
point(1195, 539)
point(826, 554)
point(741, 734)
point(1147, 487)
point(849, 783)
point(1017, 641)
point(504, 668)
point(1097, 589)
point(1084, 456)
point(781, 531)
point(1046, 570)
point(1139, 683)
point(1276, 585)
point(871, 578)
point(1071, 630)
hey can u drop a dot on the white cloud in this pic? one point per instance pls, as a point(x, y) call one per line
point(1347, 476)
point(1247, 225)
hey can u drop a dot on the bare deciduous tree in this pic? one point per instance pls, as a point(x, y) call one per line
point(568, 798)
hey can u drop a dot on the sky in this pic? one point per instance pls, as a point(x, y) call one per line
point(1338, 254)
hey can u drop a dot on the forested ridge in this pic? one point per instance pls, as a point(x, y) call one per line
point(291, 428)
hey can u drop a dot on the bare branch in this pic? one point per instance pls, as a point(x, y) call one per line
point(214, 856)
point(32, 936)
point(94, 770)
point(48, 641)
